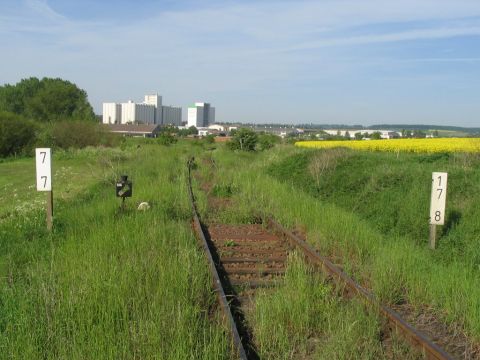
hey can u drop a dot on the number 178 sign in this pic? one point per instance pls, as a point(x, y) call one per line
point(44, 169)
point(439, 196)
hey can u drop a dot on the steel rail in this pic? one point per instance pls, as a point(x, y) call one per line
point(417, 338)
point(217, 284)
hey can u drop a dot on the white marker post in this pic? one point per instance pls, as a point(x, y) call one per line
point(43, 158)
point(437, 204)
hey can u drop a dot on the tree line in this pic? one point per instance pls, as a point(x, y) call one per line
point(46, 112)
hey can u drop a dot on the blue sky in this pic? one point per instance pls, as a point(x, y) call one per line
point(326, 61)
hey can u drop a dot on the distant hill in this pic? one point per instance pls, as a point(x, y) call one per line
point(397, 127)
point(425, 127)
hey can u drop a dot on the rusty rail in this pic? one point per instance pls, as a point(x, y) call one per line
point(416, 338)
point(429, 349)
point(217, 284)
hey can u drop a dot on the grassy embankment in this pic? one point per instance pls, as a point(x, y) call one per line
point(105, 284)
point(369, 212)
point(305, 316)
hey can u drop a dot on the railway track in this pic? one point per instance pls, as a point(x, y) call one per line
point(243, 258)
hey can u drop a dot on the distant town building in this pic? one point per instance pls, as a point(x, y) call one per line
point(384, 134)
point(217, 127)
point(171, 115)
point(135, 130)
point(141, 113)
point(156, 101)
point(151, 111)
point(282, 131)
point(201, 115)
point(112, 113)
point(203, 132)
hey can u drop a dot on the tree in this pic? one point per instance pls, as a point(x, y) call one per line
point(244, 139)
point(419, 134)
point(46, 100)
point(347, 135)
point(192, 130)
point(74, 134)
point(358, 136)
point(17, 135)
point(376, 135)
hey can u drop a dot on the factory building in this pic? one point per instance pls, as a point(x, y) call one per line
point(171, 115)
point(112, 113)
point(142, 113)
point(201, 115)
point(151, 111)
point(156, 101)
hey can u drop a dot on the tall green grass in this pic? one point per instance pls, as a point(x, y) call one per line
point(304, 316)
point(108, 284)
point(397, 266)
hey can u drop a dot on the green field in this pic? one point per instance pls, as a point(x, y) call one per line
point(111, 284)
point(108, 284)
point(73, 171)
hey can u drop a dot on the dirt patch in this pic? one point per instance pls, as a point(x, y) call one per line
point(219, 203)
point(222, 138)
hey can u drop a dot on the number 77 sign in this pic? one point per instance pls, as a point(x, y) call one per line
point(438, 199)
point(44, 169)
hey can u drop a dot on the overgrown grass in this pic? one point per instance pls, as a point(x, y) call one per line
point(72, 171)
point(392, 192)
point(304, 317)
point(109, 284)
point(347, 218)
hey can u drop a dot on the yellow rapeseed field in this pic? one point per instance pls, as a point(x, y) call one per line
point(470, 145)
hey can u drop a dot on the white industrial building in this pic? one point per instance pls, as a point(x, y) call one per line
point(151, 111)
point(201, 115)
point(112, 113)
point(141, 113)
point(156, 101)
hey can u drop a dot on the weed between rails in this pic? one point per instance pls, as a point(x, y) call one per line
point(304, 317)
point(383, 254)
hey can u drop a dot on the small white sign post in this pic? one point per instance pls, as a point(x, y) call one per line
point(437, 204)
point(43, 159)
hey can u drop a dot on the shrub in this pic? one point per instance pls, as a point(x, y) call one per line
point(166, 139)
point(209, 139)
point(267, 141)
point(78, 134)
point(17, 135)
point(243, 139)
